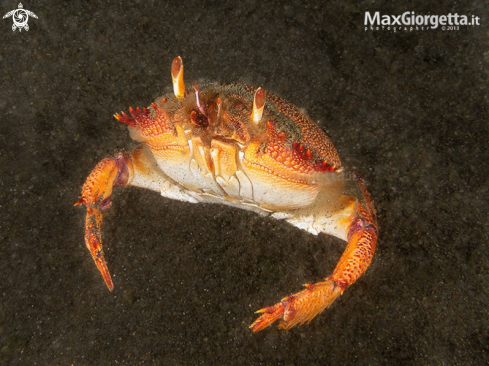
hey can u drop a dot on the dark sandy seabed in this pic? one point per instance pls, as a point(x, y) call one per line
point(407, 109)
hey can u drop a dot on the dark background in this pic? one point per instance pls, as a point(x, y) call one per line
point(408, 110)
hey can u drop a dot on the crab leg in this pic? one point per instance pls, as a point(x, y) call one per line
point(136, 168)
point(96, 195)
point(305, 305)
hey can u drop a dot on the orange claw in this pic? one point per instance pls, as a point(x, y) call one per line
point(305, 305)
point(94, 243)
point(299, 308)
point(96, 195)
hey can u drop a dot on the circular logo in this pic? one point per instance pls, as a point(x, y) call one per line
point(20, 17)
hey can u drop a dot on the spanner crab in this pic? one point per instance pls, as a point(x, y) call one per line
point(248, 148)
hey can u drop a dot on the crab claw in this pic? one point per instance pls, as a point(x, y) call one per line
point(361, 232)
point(300, 307)
point(96, 195)
point(93, 241)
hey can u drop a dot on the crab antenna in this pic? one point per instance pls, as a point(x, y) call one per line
point(177, 77)
point(197, 99)
point(219, 104)
point(258, 105)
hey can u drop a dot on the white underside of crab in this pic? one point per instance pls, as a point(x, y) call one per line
point(321, 213)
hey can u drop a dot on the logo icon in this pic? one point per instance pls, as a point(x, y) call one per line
point(20, 17)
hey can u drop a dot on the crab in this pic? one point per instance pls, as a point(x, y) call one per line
point(245, 147)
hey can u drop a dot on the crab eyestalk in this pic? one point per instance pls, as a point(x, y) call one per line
point(258, 105)
point(177, 77)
